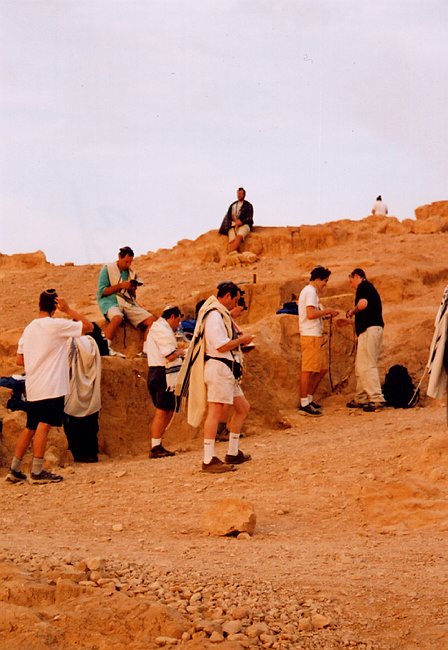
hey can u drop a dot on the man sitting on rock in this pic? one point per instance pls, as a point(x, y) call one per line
point(116, 296)
point(238, 221)
point(164, 361)
point(379, 207)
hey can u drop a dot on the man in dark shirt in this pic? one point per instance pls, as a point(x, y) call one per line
point(238, 221)
point(369, 327)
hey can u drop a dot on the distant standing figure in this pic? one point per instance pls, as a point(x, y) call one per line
point(314, 358)
point(369, 327)
point(164, 361)
point(116, 296)
point(43, 351)
point(379, 207)
point(238, 221)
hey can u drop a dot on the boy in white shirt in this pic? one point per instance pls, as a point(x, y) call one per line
point(314, 360)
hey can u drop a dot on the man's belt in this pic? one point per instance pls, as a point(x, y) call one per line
point(235, 367)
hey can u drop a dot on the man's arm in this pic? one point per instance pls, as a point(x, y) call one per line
point(104, 286)
point(115, 288)
point(360, 306)
point(180, 352)
point(313, 312)
point(63, 306)
point(244, 339)
point(247, 215)
point(19, 360)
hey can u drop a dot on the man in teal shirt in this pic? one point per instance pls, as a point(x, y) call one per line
point(116, 296)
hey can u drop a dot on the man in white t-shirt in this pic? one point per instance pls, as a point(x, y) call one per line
point(164, 361)
point(43, 351)
point(314, 359)
point(222, 343)
point(379, 207)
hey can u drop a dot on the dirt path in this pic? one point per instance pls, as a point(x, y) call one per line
point(352, 516)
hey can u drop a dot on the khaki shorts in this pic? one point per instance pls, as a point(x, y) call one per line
point(241, 231)
point(314, 353)
point(222, 387)
point(133, 312)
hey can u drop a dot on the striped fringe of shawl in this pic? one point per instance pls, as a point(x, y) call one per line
point(438, 354)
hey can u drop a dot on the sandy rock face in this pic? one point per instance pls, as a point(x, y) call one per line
point(431, 218)
point(229, 517)
point(24, 260)
point(191, 271)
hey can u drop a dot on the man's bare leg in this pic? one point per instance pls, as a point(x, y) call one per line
point(235, 244)
point(40, 439)
point(241, 408)
point(23, 442)
point(147, 324)
point(316, 378)
point(216, 412)
point(111, 328)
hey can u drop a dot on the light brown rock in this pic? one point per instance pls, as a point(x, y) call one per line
point(320, 621)
point(232, 627)
point(229, 517)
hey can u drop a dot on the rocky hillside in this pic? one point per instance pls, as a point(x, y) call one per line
point(406, 260)
point(349, 512)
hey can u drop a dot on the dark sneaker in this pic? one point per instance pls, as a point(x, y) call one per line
point(355, 405)
point(160, 452)
point(216, 466)
point(371, 407)
point(316, 406)
point(15, 476)
point(240, 457)
point(309, 410)
point(45, 477)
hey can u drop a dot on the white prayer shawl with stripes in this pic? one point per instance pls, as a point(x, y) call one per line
point(190, 383)
point(437, 384)
point(84, 397)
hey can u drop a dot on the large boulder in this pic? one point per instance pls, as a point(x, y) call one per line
point(229, 517)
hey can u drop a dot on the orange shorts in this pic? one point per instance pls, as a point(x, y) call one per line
point(314, 353)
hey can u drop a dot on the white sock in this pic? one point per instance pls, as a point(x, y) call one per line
point(310, 399)
point(209, 450)
point(304, 401)
point(36, 467)
point(233, 444)
point(16, 464)
point(155, 442)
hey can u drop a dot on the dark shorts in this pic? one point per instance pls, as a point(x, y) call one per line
point(161, 398)
point(48, 411)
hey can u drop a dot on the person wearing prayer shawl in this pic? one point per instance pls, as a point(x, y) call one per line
point(83, 401)
point(210, 377)
point(164, 361)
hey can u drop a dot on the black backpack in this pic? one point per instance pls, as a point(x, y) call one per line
point(101, 341)
point(398, 389)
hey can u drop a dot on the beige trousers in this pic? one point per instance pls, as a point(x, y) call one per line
point(368, 386)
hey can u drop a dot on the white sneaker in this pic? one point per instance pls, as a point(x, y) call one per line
point(114, 353)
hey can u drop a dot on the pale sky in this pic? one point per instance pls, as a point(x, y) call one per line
point(132, 122)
